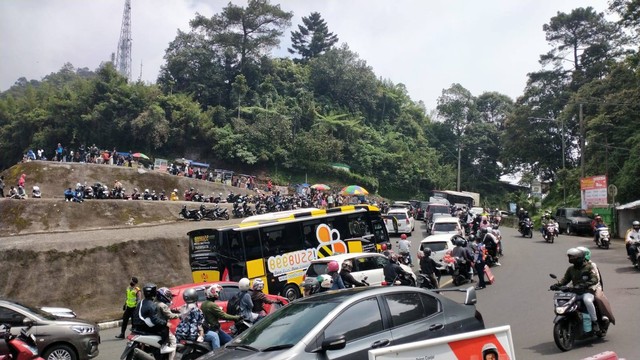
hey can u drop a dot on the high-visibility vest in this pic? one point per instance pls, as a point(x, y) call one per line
point(132, 296)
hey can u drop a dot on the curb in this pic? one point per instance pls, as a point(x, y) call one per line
point(110, 324)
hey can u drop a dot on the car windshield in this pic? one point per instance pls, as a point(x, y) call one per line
point(316, 269)
point(435, 246)
point(579, 212)
point(285, 327)
point(439, 210)
point(444, 227)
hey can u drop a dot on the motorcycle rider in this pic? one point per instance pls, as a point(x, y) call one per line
point(347, 278)
point(246, 304)
point(428, 266)
point(174, 195)
point(191, 318)
point(393, 271)
point(632, 240)
point(524, 215)
point(332, 270)
point(491, 244)
point(163, 301)
point(404, 247)
point(259, 298)
point(598, 224)
point(478, 263)
point(212, 314)
point(582, 277)
point(462, 252)
point(146, 319)
point(310, 286)
point(601, 301)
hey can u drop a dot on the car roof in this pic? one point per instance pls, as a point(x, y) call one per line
point(437, 238)
point(398, 210)
point(357, 293)
point(401, 203)
point(203, 284)
point(342, 257)
point(444, 219)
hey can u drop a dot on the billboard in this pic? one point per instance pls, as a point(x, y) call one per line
point(593, 191)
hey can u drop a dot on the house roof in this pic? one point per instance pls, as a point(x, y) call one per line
point(631, 205)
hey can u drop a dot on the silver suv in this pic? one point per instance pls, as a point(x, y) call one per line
point(57, 338)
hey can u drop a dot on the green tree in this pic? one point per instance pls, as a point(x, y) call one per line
point(312, 38)
point(245, 33)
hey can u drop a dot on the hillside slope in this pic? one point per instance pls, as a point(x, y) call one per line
point(81, 255)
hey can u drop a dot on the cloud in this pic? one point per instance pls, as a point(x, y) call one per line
point(426, 45)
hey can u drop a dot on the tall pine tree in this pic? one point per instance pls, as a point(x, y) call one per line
point(313, 38)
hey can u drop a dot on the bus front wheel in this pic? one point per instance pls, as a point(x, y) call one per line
point(291, 292)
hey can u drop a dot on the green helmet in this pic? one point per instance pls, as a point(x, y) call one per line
point(586, 251)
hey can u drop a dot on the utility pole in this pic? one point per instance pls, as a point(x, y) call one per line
point(123, 54)
point(459, 153)
point(582, 143)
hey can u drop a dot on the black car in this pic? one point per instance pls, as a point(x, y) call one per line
point(346, 324)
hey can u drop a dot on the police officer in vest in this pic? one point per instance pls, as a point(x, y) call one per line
point(131, 300)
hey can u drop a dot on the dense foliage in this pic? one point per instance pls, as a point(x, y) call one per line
point(221, 97)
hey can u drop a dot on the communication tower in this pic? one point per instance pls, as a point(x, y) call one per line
point(123, 54)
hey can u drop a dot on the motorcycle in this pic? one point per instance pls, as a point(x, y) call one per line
point(405, 258)
point(425, 281)
point(526, 228)
point(190, 214)
point(550, 231)
point(458, 268)
point(143, 346)
point(36, 192)
point(21, 346)
point(604, 238)
point(208, 214)
point(572, 322)
point(221, 213)
point(191, 350)
point(491, 244)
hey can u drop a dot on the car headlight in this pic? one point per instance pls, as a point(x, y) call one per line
point(80, 329)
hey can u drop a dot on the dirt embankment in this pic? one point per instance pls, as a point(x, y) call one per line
point(81, 255)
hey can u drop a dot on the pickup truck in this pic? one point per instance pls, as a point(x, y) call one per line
point(573, 220)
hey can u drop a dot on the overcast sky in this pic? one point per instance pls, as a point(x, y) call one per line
point(427, 45)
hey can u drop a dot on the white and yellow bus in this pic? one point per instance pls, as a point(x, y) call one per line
point(279, 250)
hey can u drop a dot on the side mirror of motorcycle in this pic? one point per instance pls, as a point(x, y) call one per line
point(553, 276)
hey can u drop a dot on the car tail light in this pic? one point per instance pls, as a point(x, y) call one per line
point(384, 283)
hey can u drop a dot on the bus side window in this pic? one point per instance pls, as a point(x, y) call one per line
point(252, 247)
point(309, 234)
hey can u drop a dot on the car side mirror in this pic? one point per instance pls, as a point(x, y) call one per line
point(334, 343)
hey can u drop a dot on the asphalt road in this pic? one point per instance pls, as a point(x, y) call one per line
point(520, 297)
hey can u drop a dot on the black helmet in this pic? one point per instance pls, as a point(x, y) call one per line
point(427, 251)
point(149, 291)
point(472, 238)
point(190, 296)
point(460, 242)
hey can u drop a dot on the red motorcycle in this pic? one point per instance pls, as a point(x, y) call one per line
point(21, 347)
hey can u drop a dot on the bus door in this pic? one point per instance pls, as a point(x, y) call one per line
point(285, 257)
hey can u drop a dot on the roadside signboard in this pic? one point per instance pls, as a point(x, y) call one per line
point(593, 191)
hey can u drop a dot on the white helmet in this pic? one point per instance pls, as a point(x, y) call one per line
point(78, 185)
point(244, 284)
point(325, 281)
point(258, 284)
